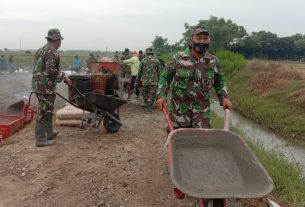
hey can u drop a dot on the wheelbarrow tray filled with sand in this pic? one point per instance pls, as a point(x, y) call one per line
point(211, 163)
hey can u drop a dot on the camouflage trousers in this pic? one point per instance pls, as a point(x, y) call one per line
point(191, 120)
point(149, 93)
point(45, 107)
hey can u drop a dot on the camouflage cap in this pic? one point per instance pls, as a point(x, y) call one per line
point(54, 34)
point(200, 30)
point(149, 50)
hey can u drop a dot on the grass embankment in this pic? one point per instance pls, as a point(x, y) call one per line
point(295, 64)
point(289, 185)
point(272, 95)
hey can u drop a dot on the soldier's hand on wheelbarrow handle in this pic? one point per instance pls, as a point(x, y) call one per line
point(161, 103)
point(226, 104)
point(67, 80)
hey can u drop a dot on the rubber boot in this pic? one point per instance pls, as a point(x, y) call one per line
point(147, 110)
point(151, 109)
point(51, 132)
point(142, 103)
point(40, 135)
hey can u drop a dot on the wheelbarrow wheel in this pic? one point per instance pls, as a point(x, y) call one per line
point(218, 203)
point(110, 125)
point(213, 203)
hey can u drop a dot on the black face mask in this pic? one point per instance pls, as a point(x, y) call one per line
point(203, 47)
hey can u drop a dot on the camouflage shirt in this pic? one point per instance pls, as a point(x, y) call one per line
point(46, 70)
point(150, 68)
point(125, 56)
point(116, 58)
point(192, 79)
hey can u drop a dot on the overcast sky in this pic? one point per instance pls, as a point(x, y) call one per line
point(117, 24)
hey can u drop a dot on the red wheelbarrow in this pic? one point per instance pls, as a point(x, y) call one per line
point(17, 116)
point(214, 165)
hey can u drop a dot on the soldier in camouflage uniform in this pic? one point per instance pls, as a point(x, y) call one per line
point(150, 68)
point(46, 75)
point(125, 69)
point(193, 72)
point(160, 60)
point(116, 56)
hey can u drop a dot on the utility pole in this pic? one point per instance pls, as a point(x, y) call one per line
point(19, 43)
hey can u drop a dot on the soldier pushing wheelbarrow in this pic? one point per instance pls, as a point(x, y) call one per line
point(46, 75)
point(192, 75)
point(193, 72)
point(100, 101)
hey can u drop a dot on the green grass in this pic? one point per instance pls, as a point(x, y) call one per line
point(287, 178)
point(288, 181)
point(275, 111)
point(231, 63)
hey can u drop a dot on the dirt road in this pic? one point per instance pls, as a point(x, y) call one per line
point(90, 167)
point(87, 167)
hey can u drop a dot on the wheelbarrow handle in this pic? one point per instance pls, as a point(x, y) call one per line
point(227, 120)
point(170, 125)
point(29, 100)
point(70, 102)
point(78, 91)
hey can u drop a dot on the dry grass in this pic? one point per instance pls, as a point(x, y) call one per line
point(257, 66)
point(294, 64)
point(273, 96)
point(298, 97)
point(273, 76)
